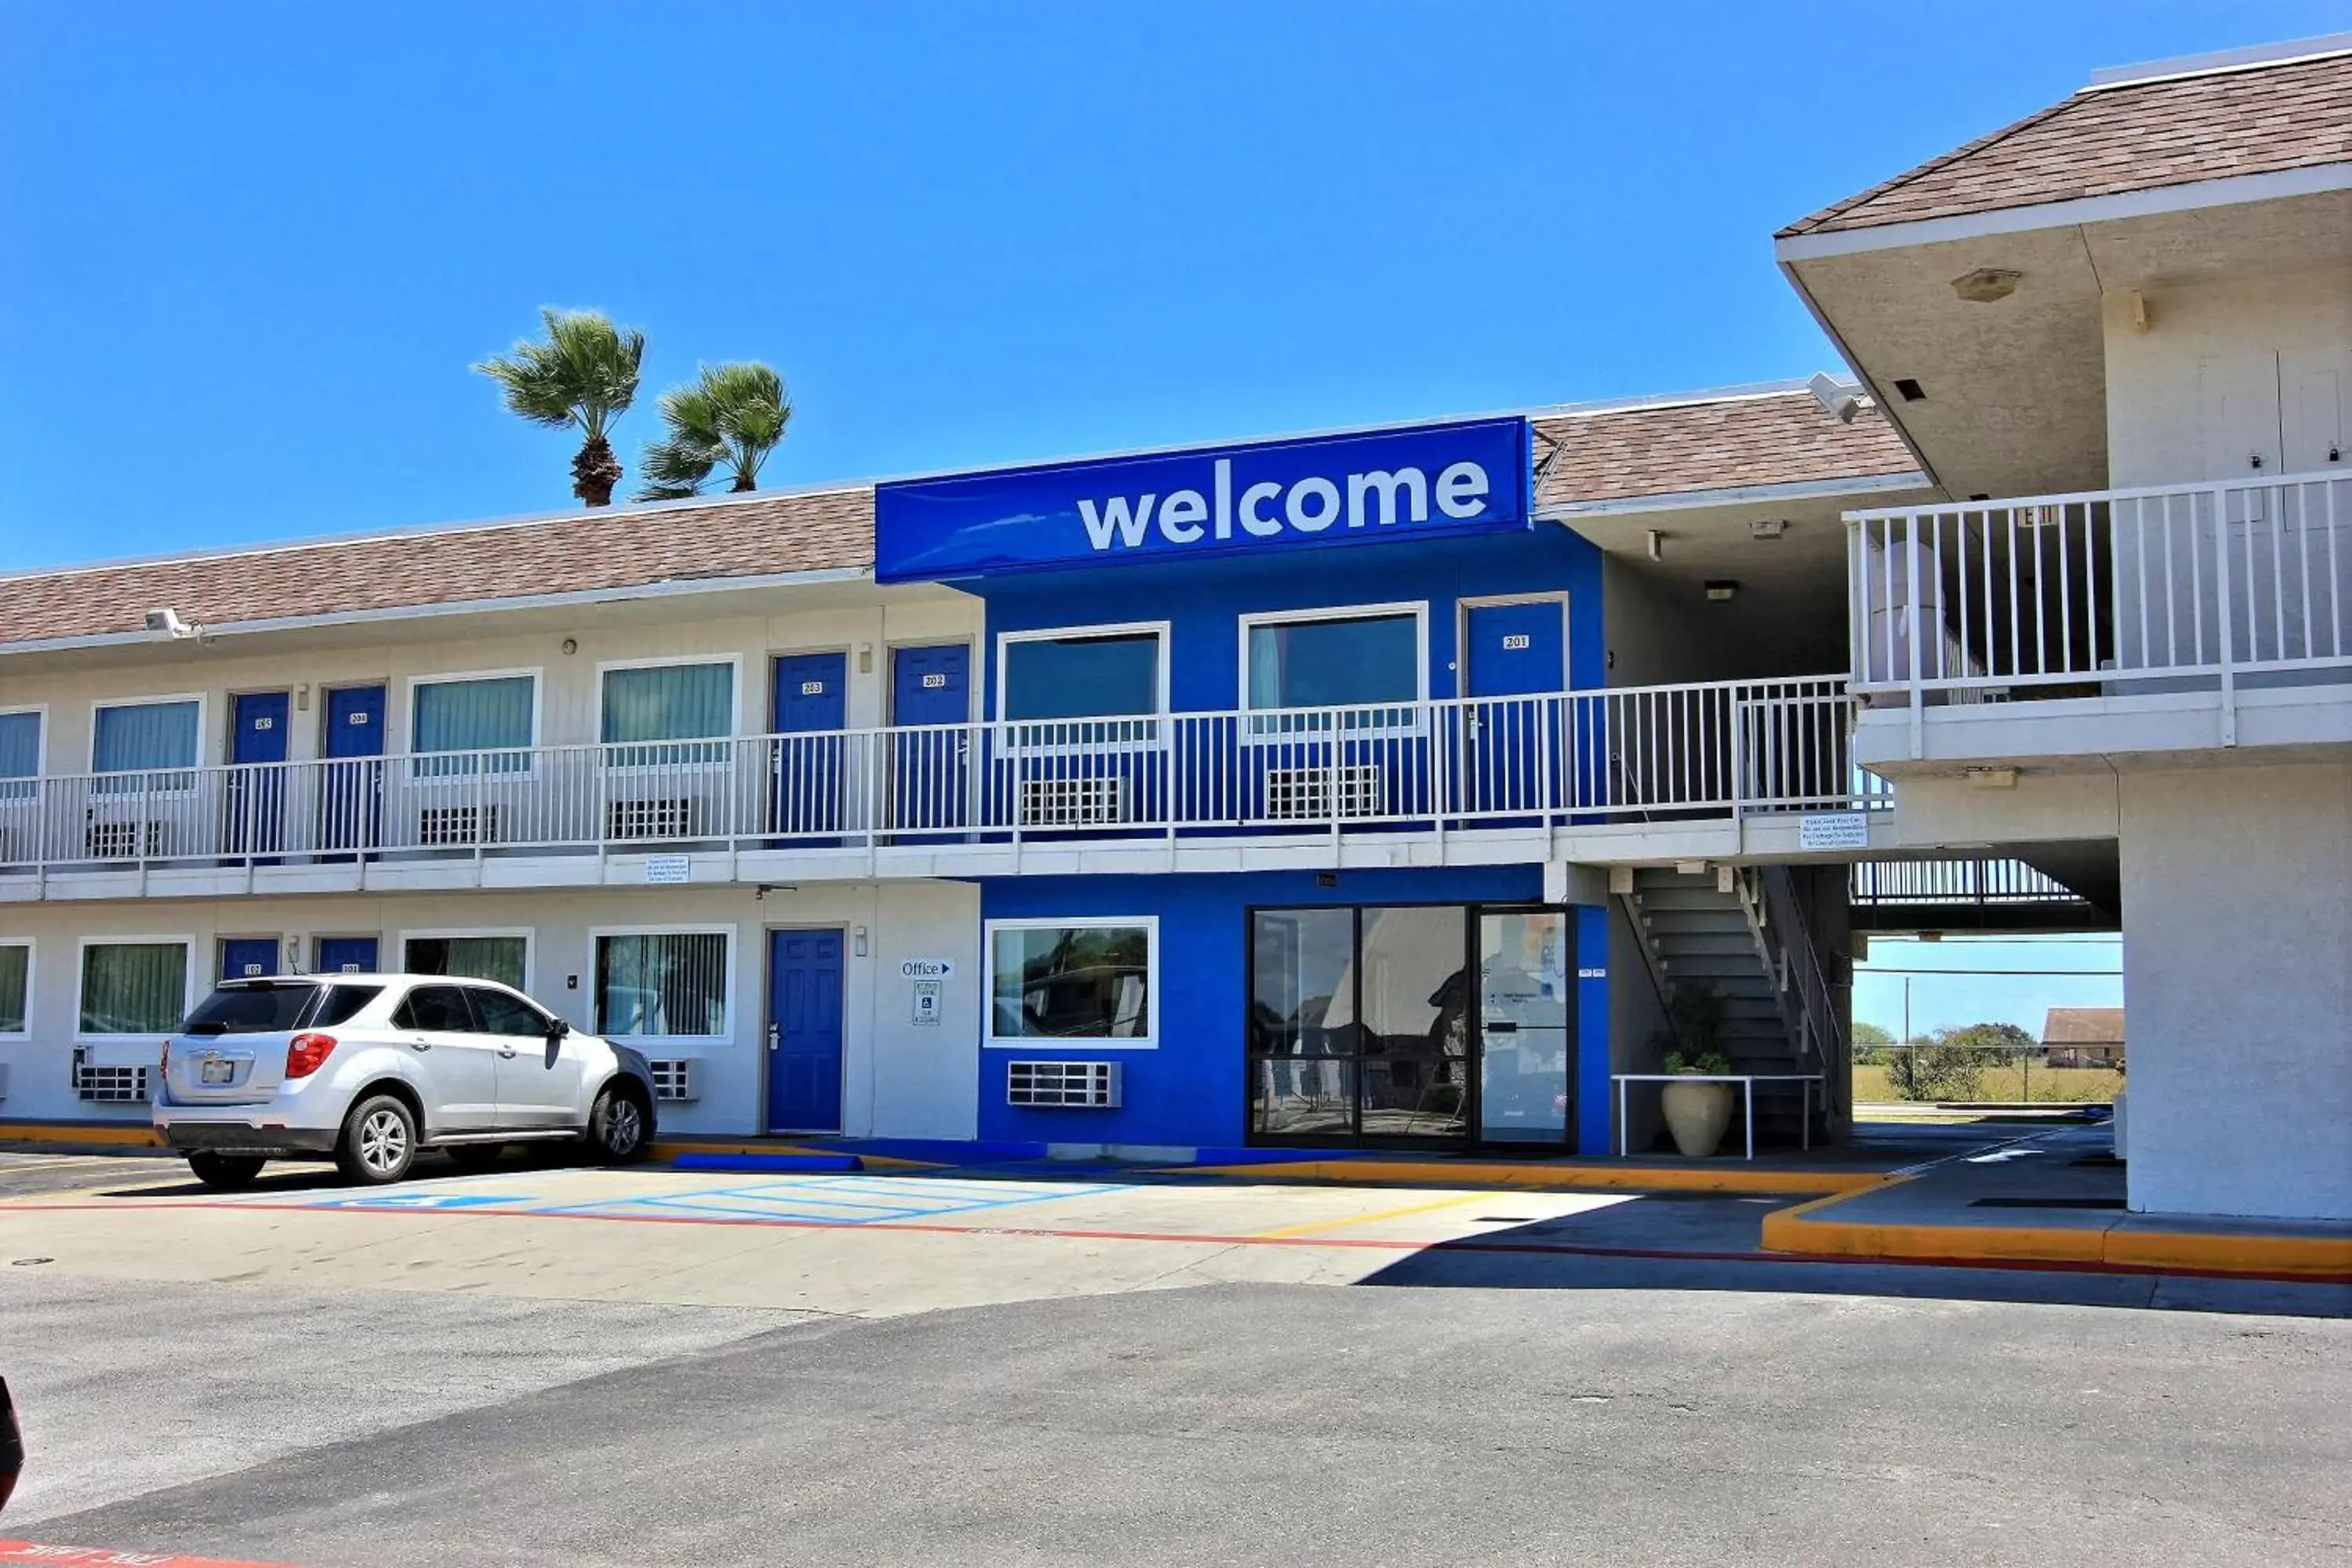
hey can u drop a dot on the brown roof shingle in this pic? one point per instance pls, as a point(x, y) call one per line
point(622, 548)
point(2134, 136)
point(1672, 449)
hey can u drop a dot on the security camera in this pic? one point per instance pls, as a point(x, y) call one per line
point(1843, 401)
point(167, 621)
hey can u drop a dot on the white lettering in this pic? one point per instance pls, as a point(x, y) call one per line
point(1224, 489)
point(1294, 505)
point(1180, 516)
point(1131, 526)
point(1253, 498)
point(1461, 490)
point(1387, 485)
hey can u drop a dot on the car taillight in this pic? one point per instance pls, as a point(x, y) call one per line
point(305, 1054)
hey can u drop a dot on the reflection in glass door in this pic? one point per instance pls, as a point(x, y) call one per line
point(1523, 1008)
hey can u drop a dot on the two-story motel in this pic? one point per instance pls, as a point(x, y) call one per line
point(1370, 787)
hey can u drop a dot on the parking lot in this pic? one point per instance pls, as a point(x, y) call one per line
point(540, 1365)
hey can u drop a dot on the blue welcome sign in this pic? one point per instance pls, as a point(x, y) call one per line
point(1423, 481)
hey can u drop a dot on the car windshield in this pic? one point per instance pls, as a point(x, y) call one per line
point(262, 1008)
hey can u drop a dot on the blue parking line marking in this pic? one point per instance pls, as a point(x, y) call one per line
point(846, 1201)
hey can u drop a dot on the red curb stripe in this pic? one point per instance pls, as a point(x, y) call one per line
point(59, 1556)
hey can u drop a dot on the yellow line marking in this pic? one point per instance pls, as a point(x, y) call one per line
point(1310, 1228)
point(117, 1133)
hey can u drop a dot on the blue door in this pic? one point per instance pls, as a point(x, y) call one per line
point(805, 1031)
point(927, 769)
point(253, 804)
point(346, 955)
point(351, 795)
point(248, 957)
point(811, 710)
point(1512, 651)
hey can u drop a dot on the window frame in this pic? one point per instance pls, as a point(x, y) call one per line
point(32, 977)
point(100, 704)
point(1151, 730)
point(1257, 730)
point(596, 935)
point(722, 743)
point(186, 944)
point(414, 758)
point(1147, 1041)
point(40, 712)
point(530, 935)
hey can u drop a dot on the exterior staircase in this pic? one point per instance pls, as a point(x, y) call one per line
point(1739, 930)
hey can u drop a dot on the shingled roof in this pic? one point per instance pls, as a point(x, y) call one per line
point(2131, 135)
point(627, 547)
point(1782, 437)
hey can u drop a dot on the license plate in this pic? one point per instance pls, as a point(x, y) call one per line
point(216, 1070)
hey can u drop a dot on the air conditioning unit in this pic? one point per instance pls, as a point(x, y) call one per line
point(440, 826)
point(650, 818)
point(127, 840)
point(676, 1078)
point(1085, 1086)
point(1297, 794)
point(109, 1085)
point(1071, 803)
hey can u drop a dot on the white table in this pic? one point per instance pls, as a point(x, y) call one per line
point(1748, 1080)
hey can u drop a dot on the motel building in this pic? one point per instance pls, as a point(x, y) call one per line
point(1373, 788)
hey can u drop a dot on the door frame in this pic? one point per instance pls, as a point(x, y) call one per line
point(1474, 1030)
point(768, 934)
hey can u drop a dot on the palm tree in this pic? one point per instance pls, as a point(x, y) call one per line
point(733, 414)
point(585, 374)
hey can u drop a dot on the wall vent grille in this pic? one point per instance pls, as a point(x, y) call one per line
point(1071, 803)
point(1093, 1086)
point(672, 818)
point(1295, 794)
point(110, 1085)
point(676, 1078)
point(439, 826)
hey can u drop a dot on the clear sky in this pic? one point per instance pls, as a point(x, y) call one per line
point(247, 251)
point(1949, 1000)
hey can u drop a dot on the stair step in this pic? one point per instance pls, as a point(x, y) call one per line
point(1737, 943)
point(1711, 922)
point(1688, 898)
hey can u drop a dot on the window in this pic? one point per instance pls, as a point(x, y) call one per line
point(1080, 676)
point(20, 753)
point(15, 986)
point(1334, 661)
point(667, 702)
point(476, 714)
point(267, 1007)
point(435, 1009)
point(145, 738)
point(662, 984)
point(503, 1014)
point(1088, 983)
point(133, 987)
point(496, 956)
point(343, 1004)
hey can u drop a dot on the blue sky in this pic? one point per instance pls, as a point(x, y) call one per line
point(1949, 1000)
point(247, 251)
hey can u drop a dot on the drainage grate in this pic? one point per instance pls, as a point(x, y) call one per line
point(2047, 1203)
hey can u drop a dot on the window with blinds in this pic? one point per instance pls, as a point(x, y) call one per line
point(667, 984)
point(647, 705)
point(490, 957)
point(148, 741)
point(20, 754)
point(133, 987)
point(491, 715)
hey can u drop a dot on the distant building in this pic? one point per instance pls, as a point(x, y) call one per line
point(2084, 1036)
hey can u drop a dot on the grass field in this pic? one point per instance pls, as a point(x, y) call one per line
point(2058, 1085)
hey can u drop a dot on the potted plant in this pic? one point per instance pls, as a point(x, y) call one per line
point(1698, 1111)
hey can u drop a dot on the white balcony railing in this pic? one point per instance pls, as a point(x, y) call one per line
point(1634, 755)
point(2221, 584)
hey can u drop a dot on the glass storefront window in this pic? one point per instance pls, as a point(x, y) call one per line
point(1070, 982)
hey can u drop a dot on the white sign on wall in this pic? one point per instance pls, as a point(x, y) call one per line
point(928, 1000)
point(668, 869)
point(927, 969)
point(1833, 830)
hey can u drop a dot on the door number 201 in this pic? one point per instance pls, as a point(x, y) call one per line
point(1513, 641)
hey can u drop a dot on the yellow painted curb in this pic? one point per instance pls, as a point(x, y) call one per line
point(112, 1134)
point(1802, 1229)
point(664, 1149)
point(1546, 1177)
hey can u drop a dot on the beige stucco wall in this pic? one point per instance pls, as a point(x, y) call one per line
point(2237, 894)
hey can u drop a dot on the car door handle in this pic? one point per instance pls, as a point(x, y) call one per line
point(506, 1051)
point(420, 1045)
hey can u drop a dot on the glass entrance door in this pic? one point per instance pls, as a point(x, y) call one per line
point(1525, 1085)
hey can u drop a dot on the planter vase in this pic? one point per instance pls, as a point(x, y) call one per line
point(1697, 1114)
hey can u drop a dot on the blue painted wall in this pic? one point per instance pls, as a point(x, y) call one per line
point(1191, 1089)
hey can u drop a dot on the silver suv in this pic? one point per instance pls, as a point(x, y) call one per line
point(366, 1070)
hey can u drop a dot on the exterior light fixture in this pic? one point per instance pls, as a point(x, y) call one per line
point(1991, 778)
point(1657, 542)
point(1767, 528)
point(1721, 589)
point(1983, 285)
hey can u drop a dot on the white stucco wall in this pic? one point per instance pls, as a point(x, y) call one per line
point(2237, 895)
point(899, 1079)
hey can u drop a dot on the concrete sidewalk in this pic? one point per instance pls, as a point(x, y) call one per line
point(2052, 1197)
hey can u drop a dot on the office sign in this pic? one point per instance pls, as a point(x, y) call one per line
point(1428, 482)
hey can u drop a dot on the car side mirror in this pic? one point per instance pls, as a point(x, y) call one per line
point(556, 1030)
point(11, 1445)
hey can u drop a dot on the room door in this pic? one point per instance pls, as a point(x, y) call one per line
point(350, 793)
point(811, 709)
point(253, 804)
point(929, 768)
point(805, 1031)
point(1515, 656)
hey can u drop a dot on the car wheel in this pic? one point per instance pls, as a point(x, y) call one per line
point(379, 1141)
point(620, 1129)
point(476, 1156)
point(226, 1172)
